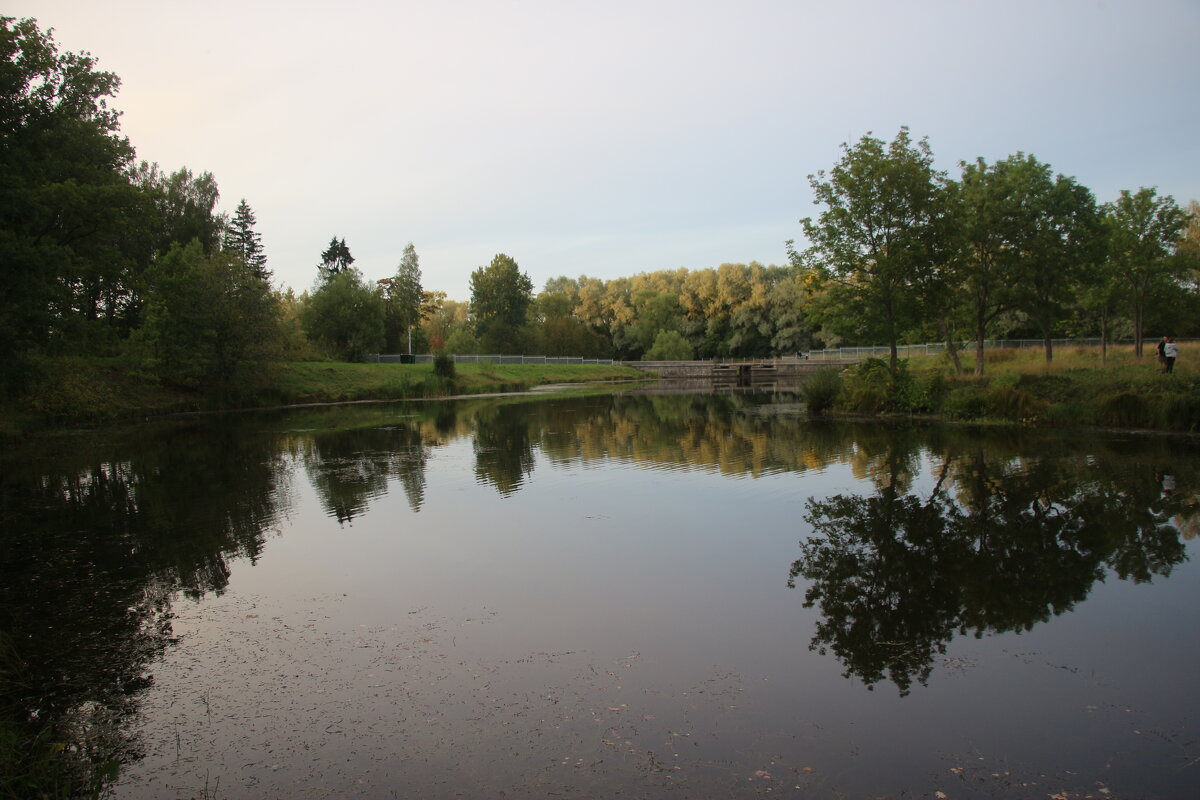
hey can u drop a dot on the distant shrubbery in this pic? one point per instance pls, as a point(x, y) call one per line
point(1127, 396)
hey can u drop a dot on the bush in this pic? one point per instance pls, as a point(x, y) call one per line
point(965, 402)
point(1009, 402)
point(1124, 409)
point(820, 389)
point(869, 387)
point(443, 365)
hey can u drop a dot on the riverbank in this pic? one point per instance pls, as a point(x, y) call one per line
point(1076, 389)
point(91, 391)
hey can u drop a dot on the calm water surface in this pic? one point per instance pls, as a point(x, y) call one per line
point(670, 596)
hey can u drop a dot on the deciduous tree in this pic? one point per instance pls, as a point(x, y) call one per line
point(882, 232)
point(500, 298)
point(1144, 231)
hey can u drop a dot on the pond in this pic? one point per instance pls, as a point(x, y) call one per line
point(610, 596)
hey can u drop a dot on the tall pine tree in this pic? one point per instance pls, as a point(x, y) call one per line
point(335, 260)
point(241, 238)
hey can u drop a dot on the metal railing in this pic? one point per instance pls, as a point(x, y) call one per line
point(427, 358)
point(931, 348)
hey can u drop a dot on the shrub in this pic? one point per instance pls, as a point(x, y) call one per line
point(820, 389)
point(1180, 412)
point(965, 402)
point(866, 386)
point(869, 387)
point(1009, 402)
point(1124, 409)
point(443, 365)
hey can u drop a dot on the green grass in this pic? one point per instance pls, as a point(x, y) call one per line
point(90, 390)
point(1077, 388)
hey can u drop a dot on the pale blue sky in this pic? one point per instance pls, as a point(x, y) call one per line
point(619, 137)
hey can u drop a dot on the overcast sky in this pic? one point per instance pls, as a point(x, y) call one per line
point(611, 138)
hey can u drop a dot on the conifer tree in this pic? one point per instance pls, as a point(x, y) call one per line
point(241, 238)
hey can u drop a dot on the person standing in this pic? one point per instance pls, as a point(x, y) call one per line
point(1170, 352)
point(1159, 352)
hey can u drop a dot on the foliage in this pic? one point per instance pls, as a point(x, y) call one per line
point(500, 298)
point(69, 212)
point(345, 316)
point(1144, 230)
point(335, 260)
point(211, 322)
point(241, 238)
point(669, 346)
point(821, 389)
point(443, 365)
point(872, 387)
point(403, 300)
point(882, 232)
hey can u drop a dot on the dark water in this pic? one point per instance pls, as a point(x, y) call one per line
point(668, 596)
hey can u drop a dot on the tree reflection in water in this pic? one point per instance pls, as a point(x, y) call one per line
point(100, 536)
point(1001, 543)
point(97, 541)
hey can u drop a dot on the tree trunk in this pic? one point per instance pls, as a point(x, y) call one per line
point(1047, 341)
point(1137, 326)
point(980, 331)
point(1104, 336)
point(951, 347)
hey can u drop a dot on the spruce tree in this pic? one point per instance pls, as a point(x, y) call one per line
point(241, 238)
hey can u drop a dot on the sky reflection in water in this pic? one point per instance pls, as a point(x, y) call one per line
point(591, 596)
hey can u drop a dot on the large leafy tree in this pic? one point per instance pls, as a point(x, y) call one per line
point(500, 298)
point(345, 316)
point(882, 233)
point(242, 239)
point(403, 300)
point(65, 199)
point(989, 204)
point(1056, 240)
point(211, 322)
point(1144, 231)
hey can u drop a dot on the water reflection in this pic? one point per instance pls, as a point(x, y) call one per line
point(96, 542)
point(962, 532)
point(348, 468)
point(1003, 541)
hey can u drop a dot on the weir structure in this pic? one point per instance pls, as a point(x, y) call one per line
point(742, 372)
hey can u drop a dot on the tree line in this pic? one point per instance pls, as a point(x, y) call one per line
point(105, 255)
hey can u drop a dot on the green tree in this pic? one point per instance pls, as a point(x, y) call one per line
point(345, 316)
point(997, 213)
point(335, 260)
point(403, 300)
point(1145, 230)
point(241, 238)
point(1057, 238)
point(654, 312)
point(669, 346)
point(211, 322)
point(66, 202)
point(882, 232)
point(500, 298)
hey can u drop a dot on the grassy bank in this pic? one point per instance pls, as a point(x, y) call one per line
point(77, 390)
point(1077, 388)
